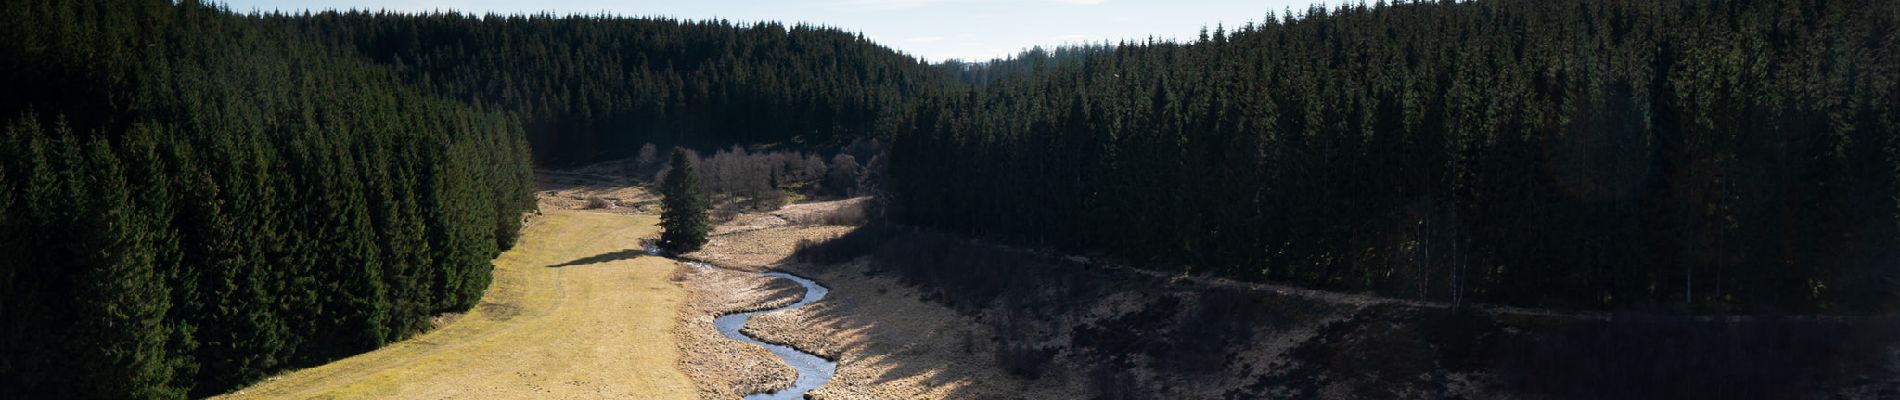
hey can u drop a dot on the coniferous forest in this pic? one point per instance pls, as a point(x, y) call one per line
point(192, 199)
point(1603, 154)
point(595, 88)
point(203, 197)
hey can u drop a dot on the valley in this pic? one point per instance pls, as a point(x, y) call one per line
point(829, 200)
point(570, 314)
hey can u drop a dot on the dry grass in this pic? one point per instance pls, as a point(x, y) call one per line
point(724, 368)
point(565, 192)
point(600, 327)
point(760, 241)
point(890, 343)
point(1112, 333)
point(894, 345)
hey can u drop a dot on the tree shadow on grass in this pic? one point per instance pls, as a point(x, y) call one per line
point(627, 254)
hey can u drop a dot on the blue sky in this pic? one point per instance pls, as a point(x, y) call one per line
point(933, 29)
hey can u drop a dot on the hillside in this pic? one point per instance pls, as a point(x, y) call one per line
point(189, 201)
point(1694, 156)
point(1012, 323)
point(202, 198)
point(595, 88)
point(1420, 199)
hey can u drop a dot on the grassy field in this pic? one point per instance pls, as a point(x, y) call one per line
point(574, 311)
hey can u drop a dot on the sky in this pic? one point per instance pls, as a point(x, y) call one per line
point(936, 30)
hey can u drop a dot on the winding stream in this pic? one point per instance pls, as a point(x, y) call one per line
point(813, 371)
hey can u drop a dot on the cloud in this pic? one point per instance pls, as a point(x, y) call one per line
point(1081, 2)
point(926, 39)
point(1071, 37)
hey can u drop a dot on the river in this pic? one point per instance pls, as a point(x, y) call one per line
point(813, 371)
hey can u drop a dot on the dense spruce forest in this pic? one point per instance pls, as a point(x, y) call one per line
point(593, 88)
point(196, 198)
point(193, 200)
point(1701, 155)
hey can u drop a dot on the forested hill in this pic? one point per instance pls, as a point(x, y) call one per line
point(591, 88)
point(190, 201)
point(191, 198)
point(1603, 154)
point(1023, 64)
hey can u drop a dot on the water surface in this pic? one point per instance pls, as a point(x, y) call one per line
point(813, 371)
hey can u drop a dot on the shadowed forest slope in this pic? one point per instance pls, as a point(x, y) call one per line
point(592, 88)
point(1715, 156)
point(1039, 326)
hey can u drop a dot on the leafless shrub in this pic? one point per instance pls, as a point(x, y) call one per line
point(648, 156)
point(860, 242)
point(850, 215)
point(737, 173)
point(723, 213)
point(842, 179)
point(853, 214)
point(599, 203)
point(770, 200)
point(1017, 351)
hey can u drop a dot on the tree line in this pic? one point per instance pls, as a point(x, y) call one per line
point(594, 88)
point(1609, 154)
point(191, 201)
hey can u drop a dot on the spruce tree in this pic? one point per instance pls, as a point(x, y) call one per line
point(119, 338)
point(684, 220)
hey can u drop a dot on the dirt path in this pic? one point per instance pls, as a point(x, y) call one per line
point(574, 312)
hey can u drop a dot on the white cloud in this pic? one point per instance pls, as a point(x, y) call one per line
point(926, 39)
point(1082, 2)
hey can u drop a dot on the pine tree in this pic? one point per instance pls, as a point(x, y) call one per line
point(684, 220)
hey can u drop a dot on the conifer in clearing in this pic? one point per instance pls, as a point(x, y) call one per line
point(684, 220)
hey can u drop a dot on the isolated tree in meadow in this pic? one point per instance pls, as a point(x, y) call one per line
point(684, 220)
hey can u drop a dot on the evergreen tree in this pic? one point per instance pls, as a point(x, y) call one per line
point(230, 200)
point(684, 220)
point(120, 338)
point(1705, 155)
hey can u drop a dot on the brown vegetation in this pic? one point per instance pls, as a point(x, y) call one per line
point(721, 367)
point(1110, 332)
point(917, 314)
point(561, 190)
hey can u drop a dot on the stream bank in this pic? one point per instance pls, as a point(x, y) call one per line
point(812, 371)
